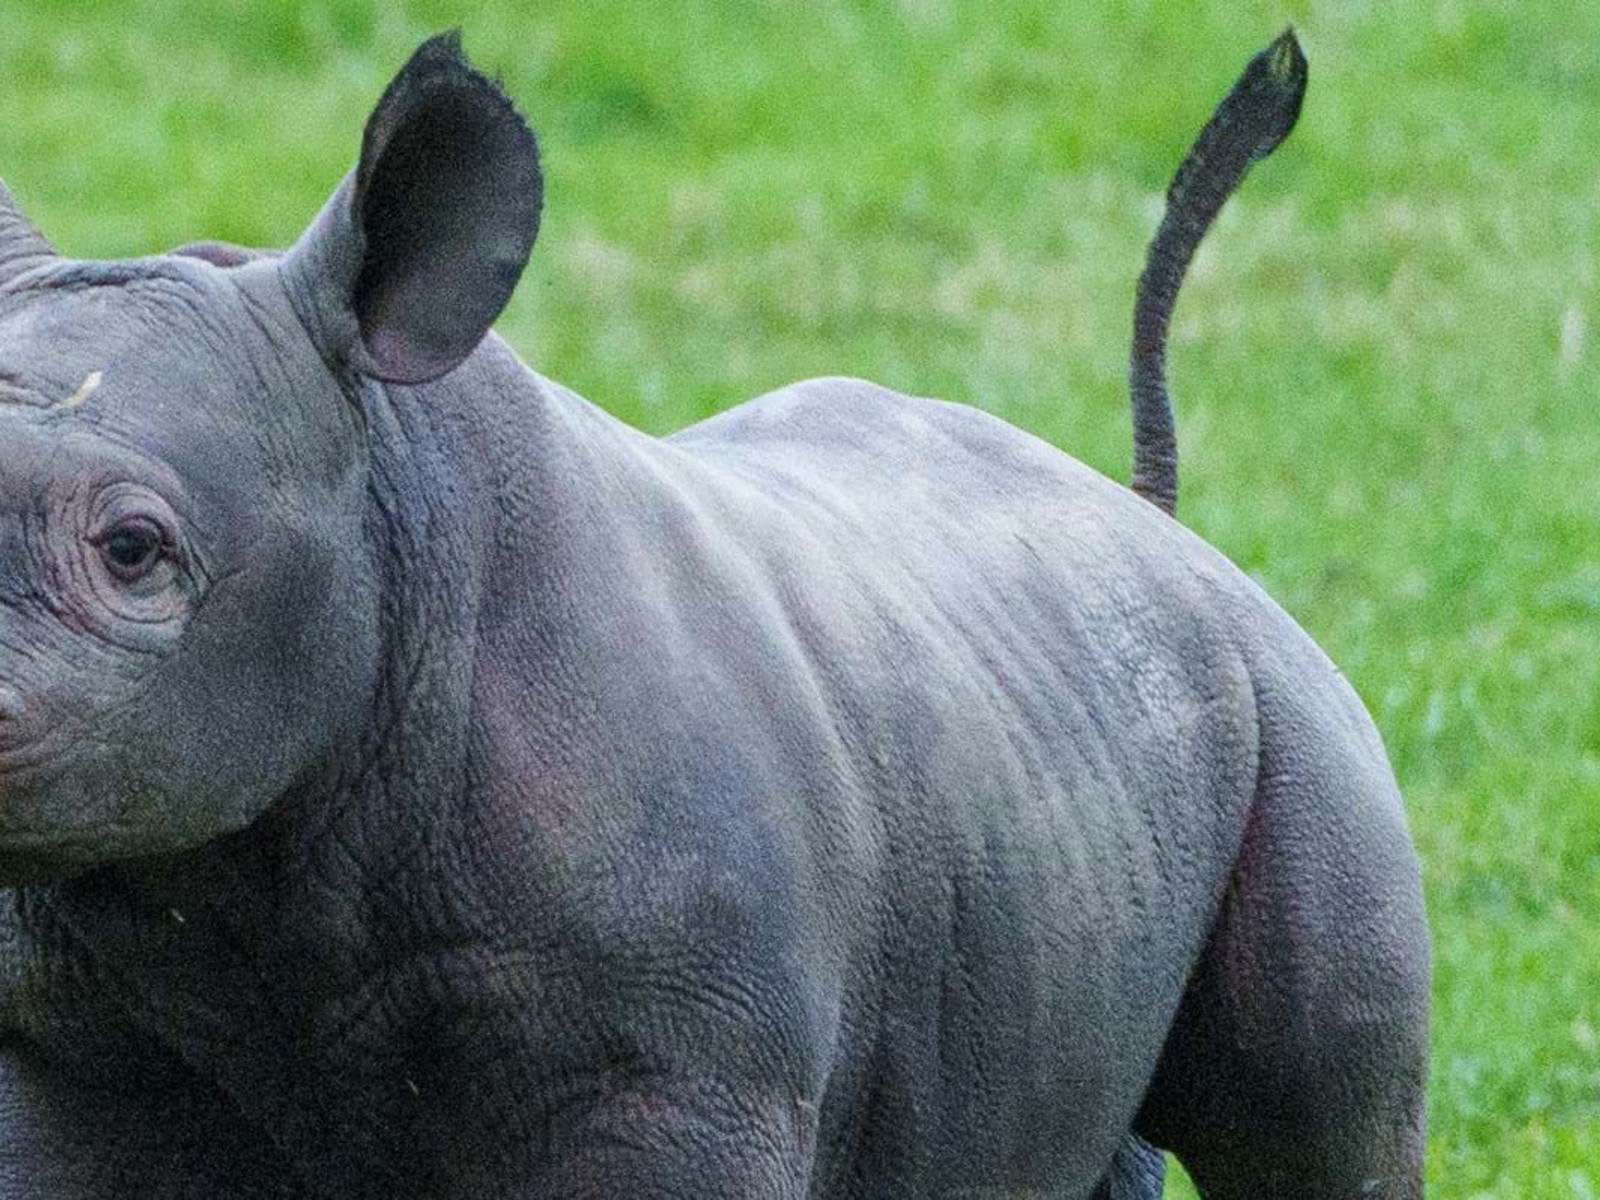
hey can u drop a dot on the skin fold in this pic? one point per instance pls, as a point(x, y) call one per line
point(415, 782)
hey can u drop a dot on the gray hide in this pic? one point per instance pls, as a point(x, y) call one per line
point(414, 782)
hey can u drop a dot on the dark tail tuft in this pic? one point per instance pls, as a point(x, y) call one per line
point(1248, 125)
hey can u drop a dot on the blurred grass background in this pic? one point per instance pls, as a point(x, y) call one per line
point(1385, 361)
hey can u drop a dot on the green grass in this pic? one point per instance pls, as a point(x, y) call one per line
point(1385, 360)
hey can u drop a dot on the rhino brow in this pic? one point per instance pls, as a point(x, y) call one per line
point(12, 391)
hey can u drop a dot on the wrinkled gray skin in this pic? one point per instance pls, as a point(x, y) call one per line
point(436, 788)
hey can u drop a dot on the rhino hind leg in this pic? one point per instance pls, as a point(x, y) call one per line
point(1296, 1065)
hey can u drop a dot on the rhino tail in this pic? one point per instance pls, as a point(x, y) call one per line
point(1248, 125)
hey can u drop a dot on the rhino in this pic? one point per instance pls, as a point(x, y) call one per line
point(415, 782)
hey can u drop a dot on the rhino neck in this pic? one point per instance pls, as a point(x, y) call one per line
point(370, 857)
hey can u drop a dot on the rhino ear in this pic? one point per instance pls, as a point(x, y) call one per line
point(420, 248)
point(21, 246)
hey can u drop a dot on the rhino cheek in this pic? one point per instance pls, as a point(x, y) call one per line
point(109, 752)
point(63, 816)
point(113, 788)
point(275, 671)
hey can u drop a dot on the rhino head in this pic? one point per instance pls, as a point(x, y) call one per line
point(189, 595)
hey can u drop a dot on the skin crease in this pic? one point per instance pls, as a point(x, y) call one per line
point(848, 797)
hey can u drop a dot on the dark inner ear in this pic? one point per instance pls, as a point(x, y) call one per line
point(447, 196)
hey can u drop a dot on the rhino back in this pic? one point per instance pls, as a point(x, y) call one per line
point(929, 743)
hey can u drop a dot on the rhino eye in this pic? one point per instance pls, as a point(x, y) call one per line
point(131, 548)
